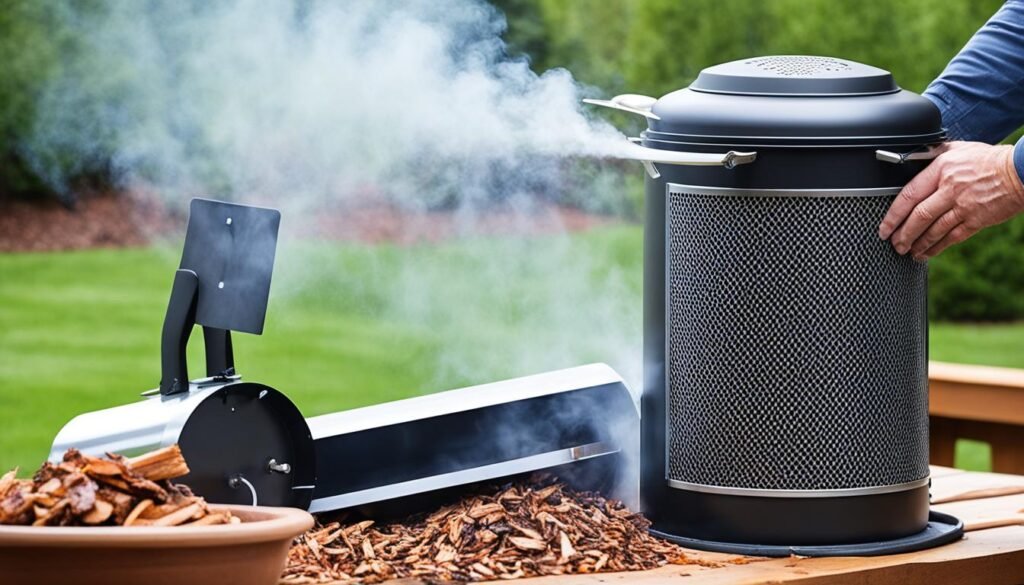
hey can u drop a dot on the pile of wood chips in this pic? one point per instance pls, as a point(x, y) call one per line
point(525, 529)
point(92, 491)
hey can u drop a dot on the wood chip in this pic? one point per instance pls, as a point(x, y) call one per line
point(525, 543)
point(8, 480)
point(156, 511)
point(105, 467)
point(530, 528)
point(528, 532)
point(50, 515)
point(566, 550)
point(136, 511)
point(368, 549)
point(83, 490)
point(166, 463)
point(179, 516)
point(482, 569)
point(100, 512)
point(481, 510)
point(50, 486)
point(445, 554)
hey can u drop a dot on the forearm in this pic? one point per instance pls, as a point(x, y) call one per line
point(972, 184)
point(981, 91)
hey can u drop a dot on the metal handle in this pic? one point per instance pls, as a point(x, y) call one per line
point(466, 476)
point(642, 104)
point(629, 102)
point(276, 467)
point(650, 156)
point(898, 158)
point(238, 480)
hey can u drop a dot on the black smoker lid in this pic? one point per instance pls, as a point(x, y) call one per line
point(795, 100)
point(795, 75)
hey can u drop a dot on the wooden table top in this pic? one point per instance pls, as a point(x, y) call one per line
point(991, 553)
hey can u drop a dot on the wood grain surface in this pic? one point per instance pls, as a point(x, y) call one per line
point(986, 556)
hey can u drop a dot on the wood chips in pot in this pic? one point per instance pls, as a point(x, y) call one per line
point(93, 491)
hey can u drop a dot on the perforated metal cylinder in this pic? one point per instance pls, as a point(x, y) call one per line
point(785, 400)
point(795, 343)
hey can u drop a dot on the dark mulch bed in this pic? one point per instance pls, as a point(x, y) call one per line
point(380, 222)
point(115, 220)
point(103, 220)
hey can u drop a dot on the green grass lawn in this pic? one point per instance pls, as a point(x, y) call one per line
point(348, 325)
point(990, 345)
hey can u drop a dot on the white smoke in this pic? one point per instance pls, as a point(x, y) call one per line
point(308, 105)
point(301, 101)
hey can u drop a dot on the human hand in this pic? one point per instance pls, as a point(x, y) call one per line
point(968, 187)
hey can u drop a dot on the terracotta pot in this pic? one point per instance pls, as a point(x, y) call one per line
point(250, 553)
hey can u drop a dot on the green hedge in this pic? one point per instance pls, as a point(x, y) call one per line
point(29, 55)
point(981, 279)
point(642, 46)
point(48, 51)
point(656, 46)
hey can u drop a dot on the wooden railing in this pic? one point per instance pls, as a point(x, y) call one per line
point(981, 403)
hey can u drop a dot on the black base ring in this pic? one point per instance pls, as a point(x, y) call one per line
point(941, 529)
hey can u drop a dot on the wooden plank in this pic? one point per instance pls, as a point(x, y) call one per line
point(947, 486)
point(1006, 441)
point(988, 557)
point(942, 441)
point(977, 393)
point(970, 374)
point(1007, 448)
point(985, 557)
point(985, 510)
point(942, 471)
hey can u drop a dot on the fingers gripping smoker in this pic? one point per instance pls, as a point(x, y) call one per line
point(245, 443)
point(248, 443)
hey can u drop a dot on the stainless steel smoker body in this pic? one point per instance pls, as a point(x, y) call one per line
point(785, 400)
point(580, 423)
point(247, 443)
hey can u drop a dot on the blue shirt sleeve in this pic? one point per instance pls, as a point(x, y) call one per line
point(981, 92)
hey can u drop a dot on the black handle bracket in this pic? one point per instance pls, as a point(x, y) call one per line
point(178, 323)
point(223, 284)
point(220, 359)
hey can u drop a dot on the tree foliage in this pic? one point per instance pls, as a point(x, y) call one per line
point(612, 46)
point(656, 46)
point(29, 53)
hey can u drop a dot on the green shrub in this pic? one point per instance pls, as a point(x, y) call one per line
point(48, 49)
point(612, 46)
point(981, 279)
point(28, 51)
point(656, 46)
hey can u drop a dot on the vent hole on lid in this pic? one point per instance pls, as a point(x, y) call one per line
point(799, 66)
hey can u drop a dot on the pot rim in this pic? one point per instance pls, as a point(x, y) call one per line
point(259, 524)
